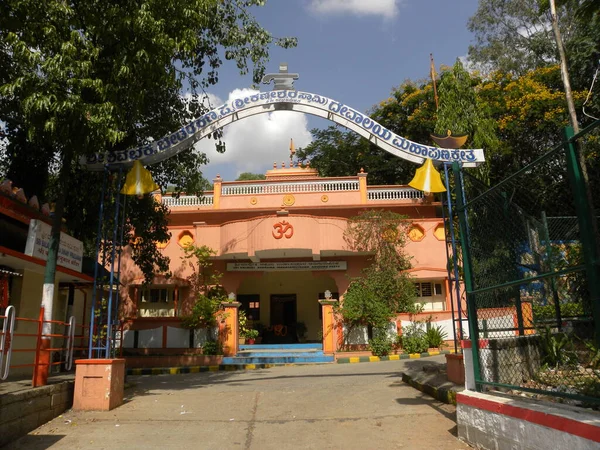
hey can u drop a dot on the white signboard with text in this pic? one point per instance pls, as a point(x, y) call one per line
point(286, 266)
point(70, 250)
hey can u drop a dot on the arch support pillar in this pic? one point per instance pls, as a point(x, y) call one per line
point(228, 328)
point(329, 326)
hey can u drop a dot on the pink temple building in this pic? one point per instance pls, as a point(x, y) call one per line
point(280, 247)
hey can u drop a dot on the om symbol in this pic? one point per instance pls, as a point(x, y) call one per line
point(281, 229)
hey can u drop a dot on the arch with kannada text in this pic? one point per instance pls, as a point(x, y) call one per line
point(282, 100)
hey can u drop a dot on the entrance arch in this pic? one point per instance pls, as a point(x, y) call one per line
point(282, 100)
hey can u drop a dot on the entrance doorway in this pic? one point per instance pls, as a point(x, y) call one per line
point(283, 309)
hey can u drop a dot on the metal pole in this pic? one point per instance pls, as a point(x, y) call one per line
point(119, 252)
point(468, 275)
point(455, 257)
point(448, 223)
point(112, 267)
point(97, 254)
point(586, 228)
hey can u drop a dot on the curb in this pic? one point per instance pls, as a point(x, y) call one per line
point(445, 395)
point(361, 359)
point(198, 369)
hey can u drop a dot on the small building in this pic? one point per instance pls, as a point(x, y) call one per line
point(280, 246)
point(24, 233)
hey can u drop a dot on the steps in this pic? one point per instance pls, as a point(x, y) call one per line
point(279, 354)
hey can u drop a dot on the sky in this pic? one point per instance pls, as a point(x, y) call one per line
point(353, 51)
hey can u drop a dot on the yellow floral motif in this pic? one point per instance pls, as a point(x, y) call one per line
point(289, 200)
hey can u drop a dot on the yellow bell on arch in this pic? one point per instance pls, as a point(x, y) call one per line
point(427, 179)
point(139, 181)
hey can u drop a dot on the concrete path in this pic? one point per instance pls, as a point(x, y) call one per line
point(336, 406)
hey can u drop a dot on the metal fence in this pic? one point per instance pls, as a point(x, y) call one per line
point(530, 262)
point(22, 353)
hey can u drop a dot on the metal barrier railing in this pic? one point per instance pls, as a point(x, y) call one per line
point(10, 335)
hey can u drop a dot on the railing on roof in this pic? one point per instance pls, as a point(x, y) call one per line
point(188, 200)
point(289, 187)
point(374, 193)
point(393, 193)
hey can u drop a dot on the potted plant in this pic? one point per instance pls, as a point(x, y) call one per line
point(242, 326)
point(260, 328)
point(301, 331)
point(251, 336)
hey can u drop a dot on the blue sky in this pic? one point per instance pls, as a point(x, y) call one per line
point(353, 51)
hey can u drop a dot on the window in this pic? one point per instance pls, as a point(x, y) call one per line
point(431, 295)
point(157, 302)
point(157, 295)
point(250, 304)
point(423, 289)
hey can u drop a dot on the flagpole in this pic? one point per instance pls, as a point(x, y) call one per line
point(432, 74)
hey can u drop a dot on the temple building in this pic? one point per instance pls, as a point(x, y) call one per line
point(280, 246)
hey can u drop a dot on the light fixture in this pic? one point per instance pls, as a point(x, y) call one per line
point(231, 297)
point(427, 179)
point(139, 181)
point(328, 294)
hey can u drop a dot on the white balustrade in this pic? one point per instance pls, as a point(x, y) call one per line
point(393, 193)
point(285, 188)
point(188, 200)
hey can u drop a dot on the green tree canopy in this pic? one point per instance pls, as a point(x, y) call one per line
point(384, 288)
point(87, 76)
point(248, 176)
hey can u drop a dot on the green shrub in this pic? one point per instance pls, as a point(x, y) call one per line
point(381, 345)
point(212, 348)
point(556, 348)
point(549, 311)
point(436, 336)
point(414, 339)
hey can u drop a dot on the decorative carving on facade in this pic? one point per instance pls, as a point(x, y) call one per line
point(253, 200)
point(324, 198)
point(283, 229)
point(289, 200)
point(416, 233)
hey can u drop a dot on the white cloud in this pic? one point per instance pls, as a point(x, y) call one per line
point(385, 8)
point(254, 143)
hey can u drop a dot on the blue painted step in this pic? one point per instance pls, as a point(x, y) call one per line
point(279, 353)
point(280, 346)
point(236, 360)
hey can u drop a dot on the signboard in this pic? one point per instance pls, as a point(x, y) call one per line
point(286, 266)
point(70, 250)
point(265, 102)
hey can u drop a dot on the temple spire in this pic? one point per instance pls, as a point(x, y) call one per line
point(292, 151)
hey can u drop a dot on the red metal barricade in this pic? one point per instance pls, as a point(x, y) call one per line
point(48, 352)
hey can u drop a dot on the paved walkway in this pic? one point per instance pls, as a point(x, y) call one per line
point(335, 406)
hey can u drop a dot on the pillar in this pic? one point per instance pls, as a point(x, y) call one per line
point(99, 384)
point(329, 325)
point(217, 192)
point(228, 328)
point(362, 186)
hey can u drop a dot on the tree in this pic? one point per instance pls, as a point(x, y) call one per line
point(83, 77)
point(384, 288)
point(462, 113)
point(248, 176)
point(205, 284)
point(515, 36)
point(409, 112)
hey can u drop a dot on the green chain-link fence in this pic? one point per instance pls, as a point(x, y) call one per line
point(530, 255)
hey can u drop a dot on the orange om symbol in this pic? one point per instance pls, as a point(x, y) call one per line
point(281, 229)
